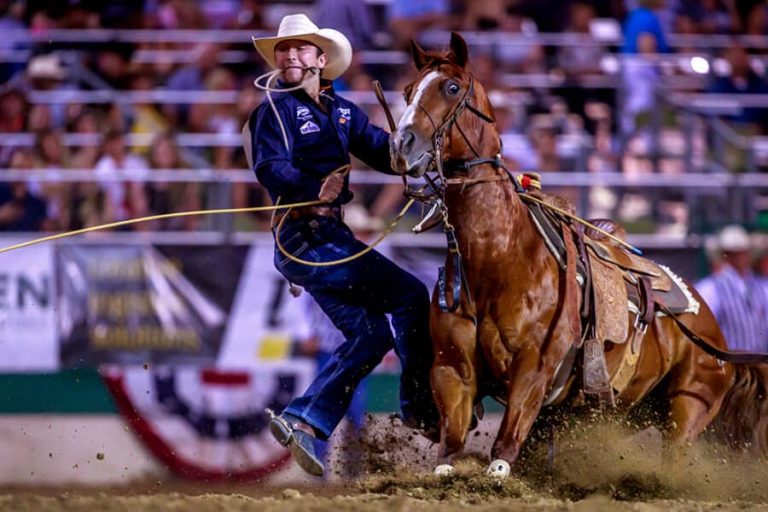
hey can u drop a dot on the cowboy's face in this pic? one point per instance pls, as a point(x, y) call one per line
point(294, 56)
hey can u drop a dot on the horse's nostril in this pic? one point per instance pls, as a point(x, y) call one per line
point(408, 139)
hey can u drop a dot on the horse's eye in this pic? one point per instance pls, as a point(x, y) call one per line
point(452, 88)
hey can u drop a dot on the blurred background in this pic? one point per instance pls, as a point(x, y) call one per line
point(154, 349)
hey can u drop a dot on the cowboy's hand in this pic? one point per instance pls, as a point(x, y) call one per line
point(331, 188)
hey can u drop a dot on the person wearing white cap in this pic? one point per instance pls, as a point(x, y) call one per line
point(295, 142)
point(735, 295)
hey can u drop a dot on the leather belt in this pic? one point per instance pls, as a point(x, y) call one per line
point(306, 212)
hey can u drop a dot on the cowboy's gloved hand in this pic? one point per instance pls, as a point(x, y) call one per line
point(331, 188)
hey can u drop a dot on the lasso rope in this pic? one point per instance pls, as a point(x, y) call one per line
point(632, 248)
point(342, 169)
point(137, 220)
point(270, 77)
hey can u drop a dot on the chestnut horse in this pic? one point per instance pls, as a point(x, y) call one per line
point(513, 326)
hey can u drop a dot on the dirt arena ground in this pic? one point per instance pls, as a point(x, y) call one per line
point(597, 468)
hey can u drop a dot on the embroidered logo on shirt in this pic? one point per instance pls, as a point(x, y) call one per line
point(309, 127)
point(303, 113)
point(345, 114)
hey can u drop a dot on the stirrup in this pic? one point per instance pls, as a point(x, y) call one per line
point(297, 441)
point(431, 219)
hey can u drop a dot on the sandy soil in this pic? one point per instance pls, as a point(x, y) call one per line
point(595, 467)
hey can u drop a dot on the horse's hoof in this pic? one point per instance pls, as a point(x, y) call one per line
point(498, 469)
point(444, 470)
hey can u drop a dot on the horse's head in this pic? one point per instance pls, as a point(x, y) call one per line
point(432, 124)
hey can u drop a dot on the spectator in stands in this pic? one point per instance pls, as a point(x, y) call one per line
point(407, 18)
point(525, 54)
point(350, 17)
point(12, 18)
point(40, 118)
point(117, 199)
point(13, 119)
point(709, 16)
point(20, 209)
point(13, 110)
point(182, 15)
point(743, 80)
point(250, 16)
point(48, 73)
point(757, 21)
point(167, 197)
point(736, 296)
point(111, 63)
point(642, 29)
point(744, 8)
point(548, 15)
point(580, 61)
point(298, 139)
point(86, 123)
point(761, 263)
point(147, 118)
point(544, 133)
point(221, 119)
point(483, 16)
point(191, 77)
point(51, 154)
point(643, 38)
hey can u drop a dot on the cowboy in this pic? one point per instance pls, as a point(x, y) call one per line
point(735, 294)
point(297, 140)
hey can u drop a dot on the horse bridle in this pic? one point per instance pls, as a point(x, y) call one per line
point(437, 163)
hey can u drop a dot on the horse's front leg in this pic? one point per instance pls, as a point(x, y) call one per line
point(454, 381)
point(530, 375)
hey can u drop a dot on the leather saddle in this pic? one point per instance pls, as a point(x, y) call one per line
point(615, 274)
point(617, 285)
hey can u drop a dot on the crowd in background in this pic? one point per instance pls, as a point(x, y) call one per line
point(538, 127)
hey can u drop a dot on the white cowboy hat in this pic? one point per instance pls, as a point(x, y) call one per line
point(734, 238)
point(46, 66)
point(298, 26)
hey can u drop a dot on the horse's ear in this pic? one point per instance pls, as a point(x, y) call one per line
point(459, 49)
point(419, 55)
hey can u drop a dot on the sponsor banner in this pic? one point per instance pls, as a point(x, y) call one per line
point(205, 424)
point(266, 319)
point(137, 304)
point(28, 338)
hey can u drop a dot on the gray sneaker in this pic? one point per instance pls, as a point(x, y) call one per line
point(300, 443)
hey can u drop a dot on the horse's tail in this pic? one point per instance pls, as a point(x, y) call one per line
point(743, 418)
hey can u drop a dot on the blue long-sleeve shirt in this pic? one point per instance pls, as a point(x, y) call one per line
point(319, 140)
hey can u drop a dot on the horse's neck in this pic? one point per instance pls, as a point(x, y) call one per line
point(489, 216)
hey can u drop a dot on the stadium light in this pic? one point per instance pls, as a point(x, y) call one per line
point(699, 65)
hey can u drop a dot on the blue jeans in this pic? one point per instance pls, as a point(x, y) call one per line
point(357, 297)
point(355, 412)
